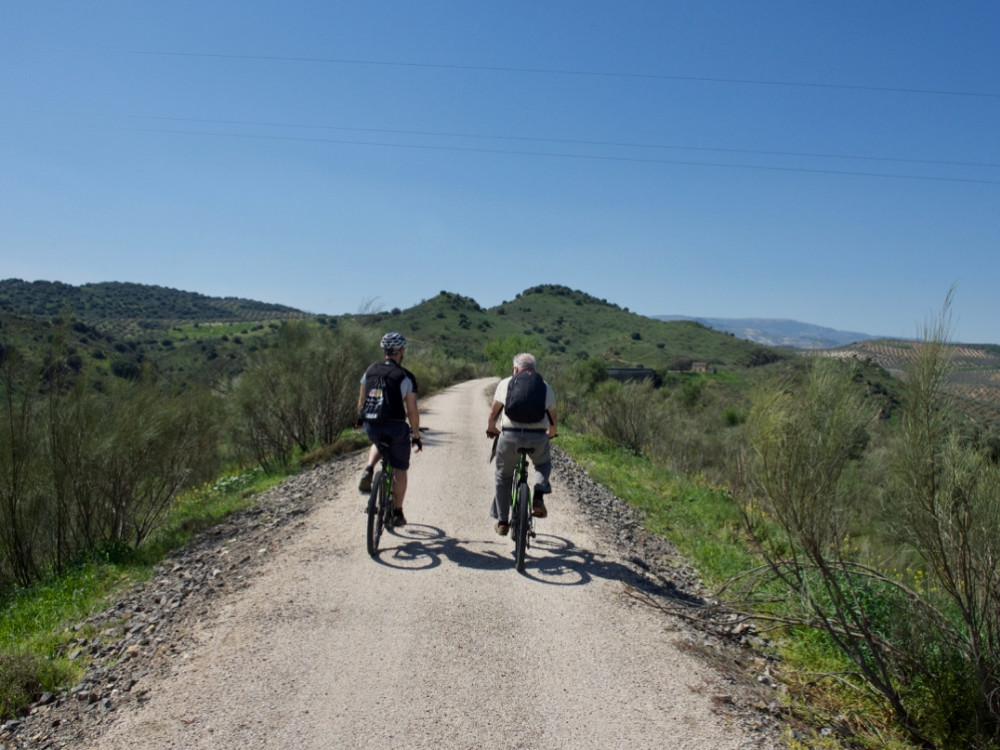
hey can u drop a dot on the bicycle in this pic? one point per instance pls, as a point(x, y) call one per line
point(381, 500)
point(522, 521)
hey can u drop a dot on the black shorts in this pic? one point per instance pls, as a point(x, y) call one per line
point(399, 447)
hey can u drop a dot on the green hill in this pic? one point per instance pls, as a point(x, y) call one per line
point(117, 301)
point(125, 328)
point(122, 329)
point(571, 325)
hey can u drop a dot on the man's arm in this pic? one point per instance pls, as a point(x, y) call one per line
point(413, 417)
point(491, 423)
point(551, 431)
point(550, 411)
point(361, 402)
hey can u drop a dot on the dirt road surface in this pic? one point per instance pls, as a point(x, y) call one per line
point(438, 642)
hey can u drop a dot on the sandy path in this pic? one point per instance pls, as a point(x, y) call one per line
point(438, 643)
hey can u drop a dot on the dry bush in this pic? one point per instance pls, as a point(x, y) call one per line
point(629, 415)
point(297, 394)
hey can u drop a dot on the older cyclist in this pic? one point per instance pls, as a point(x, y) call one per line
point(514, 435)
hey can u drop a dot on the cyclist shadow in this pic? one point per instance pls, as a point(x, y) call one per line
point(552, 560)
point(564, 560)
point(422, 547)
point(406, 548)
point(557, 561)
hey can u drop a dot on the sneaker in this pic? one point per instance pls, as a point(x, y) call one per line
point(366, 480)
point(398, 519)
point(502, 528)
point(538, 507)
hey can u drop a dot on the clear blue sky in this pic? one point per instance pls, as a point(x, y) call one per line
point(836, 163)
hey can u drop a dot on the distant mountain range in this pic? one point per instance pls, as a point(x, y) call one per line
point(787, 333)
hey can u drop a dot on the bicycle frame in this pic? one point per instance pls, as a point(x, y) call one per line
point(380, 502)
point(522, 521)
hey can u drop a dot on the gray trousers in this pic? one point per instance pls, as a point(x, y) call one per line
point(506, 458)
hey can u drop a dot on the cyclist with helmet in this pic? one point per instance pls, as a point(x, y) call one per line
point(401, 394)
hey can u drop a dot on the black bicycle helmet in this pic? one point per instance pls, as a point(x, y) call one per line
point(393, 342)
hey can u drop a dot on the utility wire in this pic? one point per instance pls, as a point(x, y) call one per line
point(523, 139)
point(594, 157)
point(534, 71)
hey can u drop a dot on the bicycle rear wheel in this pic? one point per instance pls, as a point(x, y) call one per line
point(523, 510)
point(376, 513)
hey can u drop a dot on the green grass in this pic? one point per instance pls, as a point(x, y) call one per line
point(700, 519)
point(197, 331)
point(35, 638)
point(206, 506)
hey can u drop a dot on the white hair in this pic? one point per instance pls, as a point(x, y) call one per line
point(524, 361)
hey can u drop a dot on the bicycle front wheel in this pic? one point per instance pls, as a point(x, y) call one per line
point(376, 513)
point(523, 505)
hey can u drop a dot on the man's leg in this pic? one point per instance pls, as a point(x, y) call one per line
point(541, 461)
point(399, 459)
point(398, 487)
point(506, 460)
point(365, 485)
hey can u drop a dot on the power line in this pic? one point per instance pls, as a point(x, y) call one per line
point(526, 139)
point(557, 155)
point(533, 71)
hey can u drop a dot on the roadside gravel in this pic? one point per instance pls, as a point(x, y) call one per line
point(277, 630)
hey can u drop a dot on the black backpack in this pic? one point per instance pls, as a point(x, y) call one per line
point(526, 395)
point(377, 406)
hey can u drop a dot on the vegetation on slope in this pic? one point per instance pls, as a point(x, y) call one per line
point(571, 326)
point(115, 301)
point(680, 445)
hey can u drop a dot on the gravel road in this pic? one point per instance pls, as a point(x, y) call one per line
point(436, 643)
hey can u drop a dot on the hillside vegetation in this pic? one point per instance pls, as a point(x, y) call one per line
point(132, 311)
point(972, 381)
point(191, 339)
point(822, 493)
point(112, 301)
point(570, 325)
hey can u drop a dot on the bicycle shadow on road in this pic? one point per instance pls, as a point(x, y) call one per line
point(551, 560)
point(423, 547)
point(563, 558)
point(558, 561)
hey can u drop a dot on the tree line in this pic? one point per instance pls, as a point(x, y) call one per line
point(84, 467)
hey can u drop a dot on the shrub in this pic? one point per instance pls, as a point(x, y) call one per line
point(626, 414)
point(20, 682)
point(927, 643)
point(501, 352)
point(125, 369)
point(302, 392)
